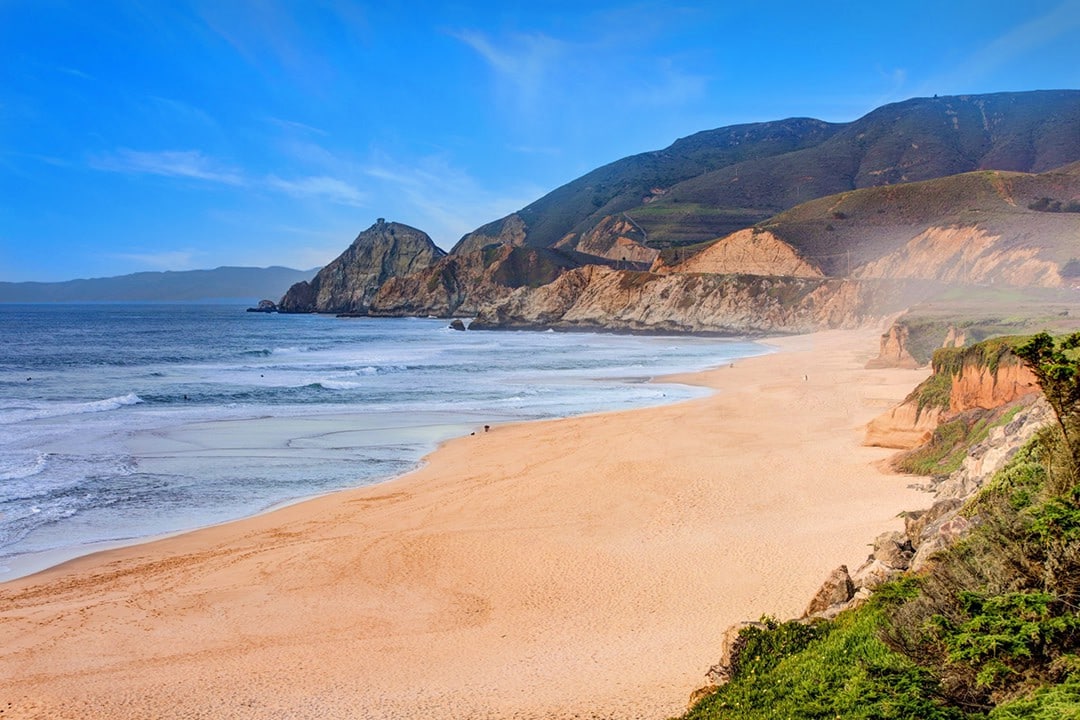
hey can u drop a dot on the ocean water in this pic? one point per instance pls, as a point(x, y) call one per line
point(122, 422)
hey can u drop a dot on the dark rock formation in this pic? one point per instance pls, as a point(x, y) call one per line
point(265, 306)
point(348, 284)
point(457, 324)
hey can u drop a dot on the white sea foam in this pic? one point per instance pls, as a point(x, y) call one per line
point(59, 409)
point(339, 384)
point(23, 464)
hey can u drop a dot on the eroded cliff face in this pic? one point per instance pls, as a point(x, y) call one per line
point(601, 297)
point(350, 282)
point(904, 427)
point(750, 251)
point(465, 284)
point(966, 256)
point(974, 383)
point(979, 386)
point(616, 238)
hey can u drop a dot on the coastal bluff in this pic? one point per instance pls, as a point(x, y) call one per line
point(348, 284)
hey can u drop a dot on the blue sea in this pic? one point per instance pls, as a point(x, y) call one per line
point(124, 422)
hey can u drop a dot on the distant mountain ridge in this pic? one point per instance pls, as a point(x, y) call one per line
point(222, 283)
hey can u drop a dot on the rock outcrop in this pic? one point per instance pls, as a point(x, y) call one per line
point(894, 352)
point(510, 230)
point(614, 238)
point(594, 297)
point(904, 427)
point(264, 306)
point(350, 282)
point(973, 381)
point(750, 252)
point(467, 284)
point(834, 593)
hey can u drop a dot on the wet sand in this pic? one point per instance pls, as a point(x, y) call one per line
point(585, 567)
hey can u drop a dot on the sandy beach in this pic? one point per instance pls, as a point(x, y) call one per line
point(578, 568)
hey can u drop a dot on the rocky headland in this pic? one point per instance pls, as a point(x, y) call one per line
point(754, 229)
point(348, 284)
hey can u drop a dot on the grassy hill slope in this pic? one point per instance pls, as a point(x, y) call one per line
point(718, 181)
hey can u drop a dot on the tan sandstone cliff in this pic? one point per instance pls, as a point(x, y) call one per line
point(751, 251)
point(964, 379)
point(599, 297)
point(615, 237)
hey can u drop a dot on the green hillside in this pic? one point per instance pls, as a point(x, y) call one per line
point(715, 182)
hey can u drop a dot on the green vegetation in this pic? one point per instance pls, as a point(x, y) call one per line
point(1046, 204)
point(681, 224)
point(827, 670)
point(990, 631)
point(1056, 363)
point(946, 450)
point(952, 441)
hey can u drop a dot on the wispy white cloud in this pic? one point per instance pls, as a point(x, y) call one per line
point(524, 64)
point(162, 260)
point(293, 125)
point(179, 112)
point(75, 72)
point(194, 165)
point(447, 201)
point(190, 164)
point(321, 187)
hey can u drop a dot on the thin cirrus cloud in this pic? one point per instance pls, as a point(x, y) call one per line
point(1011, 46)
point(524, 62)
point(194, 165)
point(321, 187)
point(191, 164)
point(445, 198)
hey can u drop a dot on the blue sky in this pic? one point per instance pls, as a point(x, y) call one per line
point(146, 135)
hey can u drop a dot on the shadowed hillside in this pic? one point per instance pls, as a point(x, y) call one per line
point(716, 182)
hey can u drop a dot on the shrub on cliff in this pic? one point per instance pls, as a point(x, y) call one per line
point(1056, 364)
point(831, 669)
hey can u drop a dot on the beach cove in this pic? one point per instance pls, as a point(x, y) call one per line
point(584, 567)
